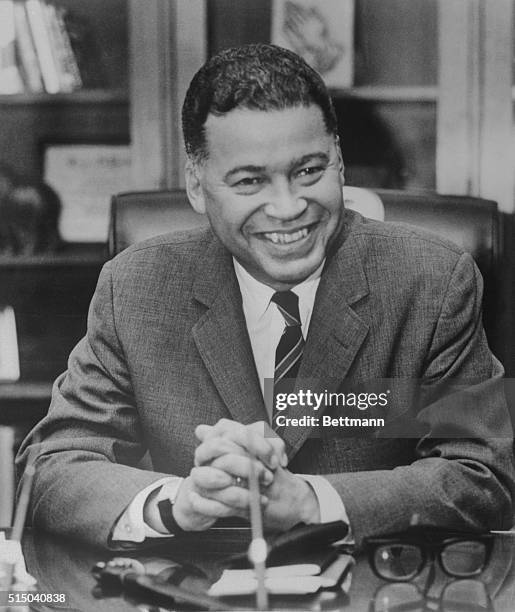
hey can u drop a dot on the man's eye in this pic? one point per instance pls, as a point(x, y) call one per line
point(310, 170)
point(248, 181)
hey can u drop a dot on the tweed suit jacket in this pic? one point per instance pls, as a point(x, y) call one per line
point(167, 349)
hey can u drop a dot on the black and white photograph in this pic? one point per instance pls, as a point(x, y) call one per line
point(257, 305)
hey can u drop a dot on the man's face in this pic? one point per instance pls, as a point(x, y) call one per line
point(272, 188)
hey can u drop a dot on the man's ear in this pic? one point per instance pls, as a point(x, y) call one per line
point(194, 188)
point(341, 165)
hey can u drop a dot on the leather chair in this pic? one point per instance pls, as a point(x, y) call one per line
point(472, 223)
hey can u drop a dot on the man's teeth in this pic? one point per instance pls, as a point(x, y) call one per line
point(281, 238)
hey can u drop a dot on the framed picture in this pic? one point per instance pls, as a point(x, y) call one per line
point(85, 175)
point(320, 31)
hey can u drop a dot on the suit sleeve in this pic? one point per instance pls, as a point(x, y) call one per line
point(463, 473)
point(90, 441)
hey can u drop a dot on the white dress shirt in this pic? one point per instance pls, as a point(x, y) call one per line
point(265, 325)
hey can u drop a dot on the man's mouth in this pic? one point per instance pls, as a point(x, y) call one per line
point(287, 237)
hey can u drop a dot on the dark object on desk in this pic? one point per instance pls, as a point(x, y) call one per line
point(299, 544)
point(401, 556)
point(62, 564)
point(171, 583)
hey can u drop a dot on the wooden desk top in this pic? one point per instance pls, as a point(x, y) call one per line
point(65, 566)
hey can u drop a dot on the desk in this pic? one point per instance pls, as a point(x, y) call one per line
point(65, 566)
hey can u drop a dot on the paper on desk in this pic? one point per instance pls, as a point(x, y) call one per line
point(291, 585)
point(280, 580)
point(11, 554)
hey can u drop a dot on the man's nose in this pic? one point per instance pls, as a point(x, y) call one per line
point(283, 203)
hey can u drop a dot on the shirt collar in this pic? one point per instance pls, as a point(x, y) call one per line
point(256, 296)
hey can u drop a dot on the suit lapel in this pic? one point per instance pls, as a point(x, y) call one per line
point(222, 338)
point(335, 334)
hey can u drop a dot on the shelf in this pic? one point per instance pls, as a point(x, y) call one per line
point(25, 391)
point(85, 96)
point(73, 254)
point(117, 96)
point(389, 94)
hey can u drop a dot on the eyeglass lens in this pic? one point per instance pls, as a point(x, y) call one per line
point(464, 558)
point(465, 596)
point(398, 561)
point(403, 561)
point(398, 597)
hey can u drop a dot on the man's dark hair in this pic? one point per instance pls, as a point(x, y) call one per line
point(256, 77)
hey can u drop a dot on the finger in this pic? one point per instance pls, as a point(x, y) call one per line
point(235, 497)
point(208, 478)
point(220, 428)
point(252, 439)
point(212, 448)
point(240, 466)
point(203, 431)
point(204, 506)
point(249, 438)
point(277, 443)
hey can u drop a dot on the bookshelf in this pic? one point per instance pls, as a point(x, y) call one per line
point(98, 110)
point(50, 293)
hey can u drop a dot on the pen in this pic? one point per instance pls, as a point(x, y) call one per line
point(258, 547)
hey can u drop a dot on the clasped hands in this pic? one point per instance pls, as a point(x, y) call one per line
point(223, 458)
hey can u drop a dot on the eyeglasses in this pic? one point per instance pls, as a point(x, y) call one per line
point(462, 595)
point(399, 557)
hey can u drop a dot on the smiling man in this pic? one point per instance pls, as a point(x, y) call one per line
point(273, 191)
point(190, 333)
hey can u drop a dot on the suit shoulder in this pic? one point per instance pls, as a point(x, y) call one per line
point(165, 248)
point(404, 239)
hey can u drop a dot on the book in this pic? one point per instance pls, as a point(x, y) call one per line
point(69, 60)
point(67, 69)
point(6, 475)
point(321, 32)
point(43, 45)
point(9, 357)
point(26, 51)
point(10, 78)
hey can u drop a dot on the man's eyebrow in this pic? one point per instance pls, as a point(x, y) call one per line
point(323, 155)
point(238, 169)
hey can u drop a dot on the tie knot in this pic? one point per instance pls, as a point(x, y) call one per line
point(288, 303)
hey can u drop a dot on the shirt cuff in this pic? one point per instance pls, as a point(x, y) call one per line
point(131, 527)
point(330, 503)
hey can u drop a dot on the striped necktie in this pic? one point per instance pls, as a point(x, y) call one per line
point(288, 354)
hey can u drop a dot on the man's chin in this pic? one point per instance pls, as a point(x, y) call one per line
point(288, 276)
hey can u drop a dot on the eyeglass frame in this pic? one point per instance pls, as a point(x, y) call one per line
point(423, 539)
point(430, 601)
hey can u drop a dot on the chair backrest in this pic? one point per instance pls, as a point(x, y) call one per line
point(472, 223)
point(138, 215)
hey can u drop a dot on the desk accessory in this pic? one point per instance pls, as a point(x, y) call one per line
point(14, 564)
point(301, 544)
point(139, 578)
point(401, 556)
point(258, 546)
